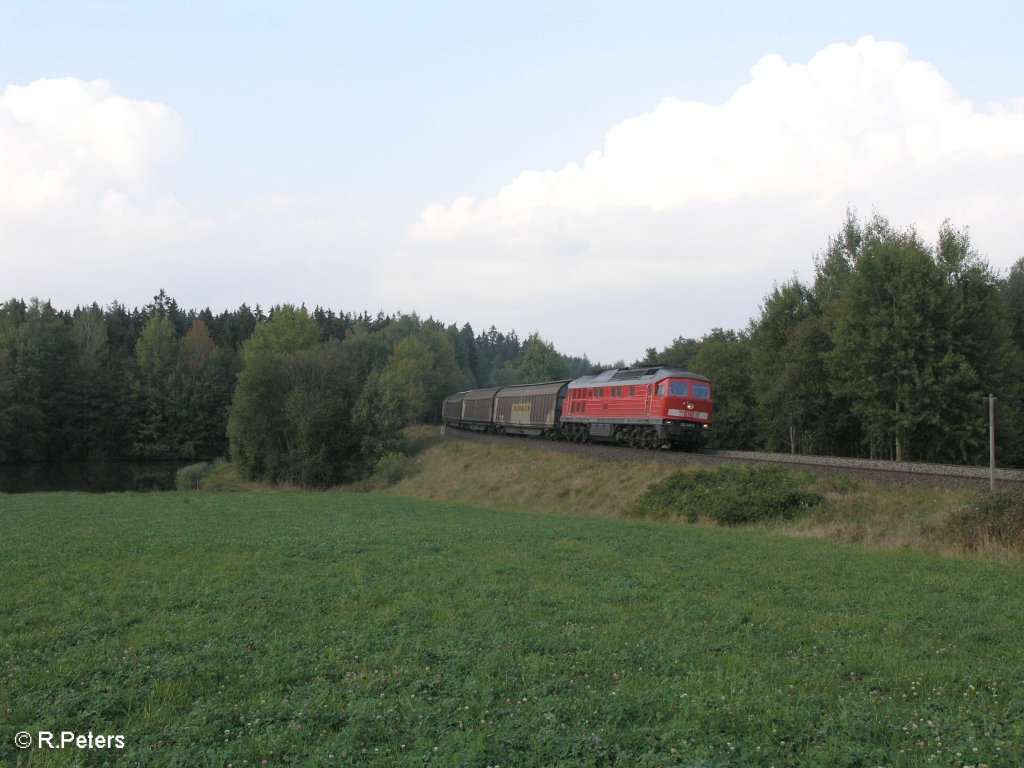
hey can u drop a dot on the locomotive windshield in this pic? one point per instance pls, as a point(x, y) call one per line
point(682, 389)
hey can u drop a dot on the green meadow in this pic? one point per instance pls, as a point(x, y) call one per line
point(252, 629)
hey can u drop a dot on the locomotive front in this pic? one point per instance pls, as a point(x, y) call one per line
point(683, 402)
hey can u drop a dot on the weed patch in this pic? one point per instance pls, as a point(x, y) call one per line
point(730, 495)
point(191, 478)
point(996, 520)
point(393, 467)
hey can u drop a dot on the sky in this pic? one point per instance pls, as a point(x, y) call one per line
point(609, 175)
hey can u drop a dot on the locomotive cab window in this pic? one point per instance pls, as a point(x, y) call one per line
point(678, 388)
point(661, 389)
point(701, 390)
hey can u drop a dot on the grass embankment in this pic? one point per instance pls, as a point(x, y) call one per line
point(525, 478)
point(339, 629)
point(512, 476)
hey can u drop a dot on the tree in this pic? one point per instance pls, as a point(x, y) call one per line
point(288, 330)
point(291, 416)
point(496, 351)
point(423, 370)
point(38, 367)
point(380, 415)
point(320, 447)
point(464, 346)
point(538, 361)
point(894, 358)
point(1013, 297)
point(257, 423)
point(779, 413)
point(815, 421)
point(155, 390)
point(836, 263)
point(165, 306)
point(981, 332)
point(95, 392)
point(724, 357)
point(206, 378)
point(680, 353)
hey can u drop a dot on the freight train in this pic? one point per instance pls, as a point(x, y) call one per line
point(657, 407)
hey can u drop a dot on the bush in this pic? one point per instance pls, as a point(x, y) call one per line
point(730, 495)
point(995, 519)
point(190, 478)
point(393, 467)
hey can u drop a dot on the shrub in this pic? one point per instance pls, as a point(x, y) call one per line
point(730, 495)
point(393, 467)
point(190, 478)
point(995, 519)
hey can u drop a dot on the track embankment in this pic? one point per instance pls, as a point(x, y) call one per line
point(882, 472)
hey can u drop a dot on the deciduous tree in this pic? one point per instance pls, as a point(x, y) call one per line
point(538, 361)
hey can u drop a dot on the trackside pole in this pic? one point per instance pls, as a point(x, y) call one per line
point(991, 442)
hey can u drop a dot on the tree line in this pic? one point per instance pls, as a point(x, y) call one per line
point(292, 395)
point(887, 353)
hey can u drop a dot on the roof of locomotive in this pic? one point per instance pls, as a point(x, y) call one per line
point(635, 376)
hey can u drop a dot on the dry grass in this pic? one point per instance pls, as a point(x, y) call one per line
point(223, 477)
point(510, 477)
point(855, 513)
point(883, 517)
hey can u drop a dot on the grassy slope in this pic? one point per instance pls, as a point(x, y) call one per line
point(510, 476)
point(523, 478)
point(332, 629)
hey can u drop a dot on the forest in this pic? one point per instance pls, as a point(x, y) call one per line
point(887, 353)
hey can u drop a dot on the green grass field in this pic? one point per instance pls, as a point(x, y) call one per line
point(339, 629)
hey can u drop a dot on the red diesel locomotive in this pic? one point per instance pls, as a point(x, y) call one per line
point(642, 407)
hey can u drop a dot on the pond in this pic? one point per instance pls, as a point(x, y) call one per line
point(91, 477)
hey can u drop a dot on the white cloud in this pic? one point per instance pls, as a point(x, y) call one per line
point(850, 118)
point(685, 216)
point(85, 215)
point(67, 142)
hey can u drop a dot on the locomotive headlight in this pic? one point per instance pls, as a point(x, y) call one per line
point(689, 406)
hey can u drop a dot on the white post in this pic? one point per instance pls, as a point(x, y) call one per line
point(991, 442)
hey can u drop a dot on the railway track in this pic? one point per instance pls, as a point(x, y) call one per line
point(883, 472)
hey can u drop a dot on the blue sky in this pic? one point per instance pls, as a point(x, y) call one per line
point(315, 152)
